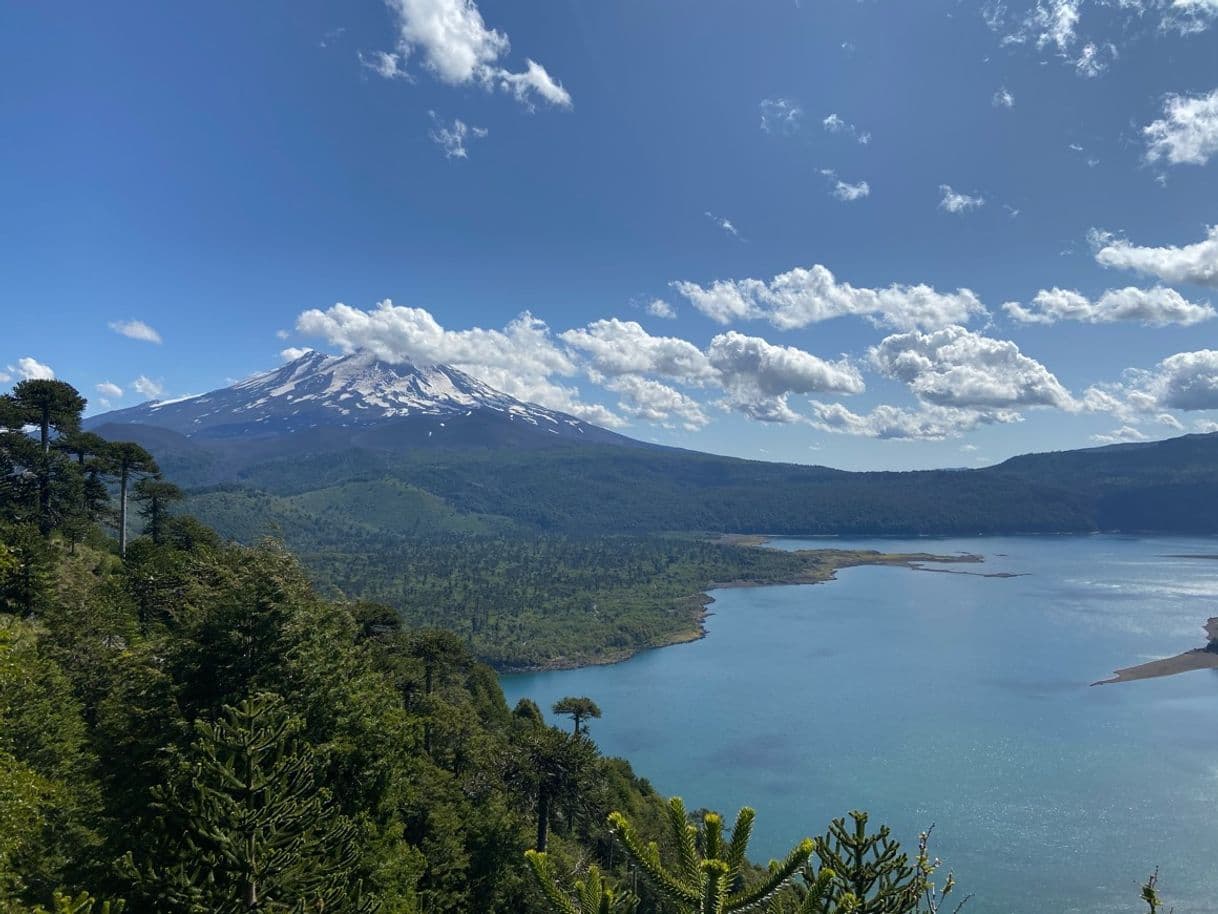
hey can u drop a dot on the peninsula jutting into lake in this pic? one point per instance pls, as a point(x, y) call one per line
point(1199, 658)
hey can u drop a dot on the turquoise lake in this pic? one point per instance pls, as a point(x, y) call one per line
point(952, 699)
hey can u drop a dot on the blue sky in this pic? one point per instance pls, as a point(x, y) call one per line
point(833, 200)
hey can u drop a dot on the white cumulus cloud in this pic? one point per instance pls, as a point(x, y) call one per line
point(30, 369)
point(457, 47)
point(758, 376)
point(292, 353)
point(109, 389)
point(958, 368)
point(1187, 134)
point(801, 297)
point(1157, 307)
point(136, 330)
point(616, 347)
point(1191, 263)
point(653, 401)
point(1186, 381)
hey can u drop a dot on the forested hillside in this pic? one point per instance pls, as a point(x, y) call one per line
point(1167, 486)
point(187, 727)
point(560, 553)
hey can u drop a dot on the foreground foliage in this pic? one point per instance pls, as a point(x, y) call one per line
point(849, 871)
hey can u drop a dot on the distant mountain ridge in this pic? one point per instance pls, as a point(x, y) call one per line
point(337, 451)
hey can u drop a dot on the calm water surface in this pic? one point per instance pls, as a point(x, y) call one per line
point(951, 699)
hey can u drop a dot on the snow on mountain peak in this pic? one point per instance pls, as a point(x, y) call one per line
point(356, 389)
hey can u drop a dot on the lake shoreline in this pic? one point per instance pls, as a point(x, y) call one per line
point(823, 567)
point(1199, 658)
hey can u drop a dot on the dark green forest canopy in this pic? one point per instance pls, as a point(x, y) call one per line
point(1166, 486)
point(576, 553)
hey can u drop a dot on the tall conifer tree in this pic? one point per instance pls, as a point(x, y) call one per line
point(155, 496)
point(49, 406)
point(249, 828)
point(130, 462)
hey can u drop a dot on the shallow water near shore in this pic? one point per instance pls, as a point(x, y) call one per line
point(951, 699)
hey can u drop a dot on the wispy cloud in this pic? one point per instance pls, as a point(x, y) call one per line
point(833, 123)
point(1077, 32)
point(1003, 98)
point(384, 64)
point(136, 330)
point(849, 192)
point(954, 202)
point(780, 115)
point(657, 307)
point(724, 223)
point(331, 36)
point(147, 387)
point(1122, 435)
point(451, 138)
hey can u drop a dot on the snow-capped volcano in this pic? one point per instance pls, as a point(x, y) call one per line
point(356, 391)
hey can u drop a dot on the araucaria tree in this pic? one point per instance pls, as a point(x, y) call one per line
point(711, 868)
point(250, 827)
point(870, 874)
point(593, 895)
point(50, 407)
point(579, 709)
point(91, 453)
point(155, 496)
point(130, 462)
point(558, 767)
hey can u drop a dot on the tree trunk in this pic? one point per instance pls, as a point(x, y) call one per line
point(122, 513)
point(543, 819)
point(44, 496)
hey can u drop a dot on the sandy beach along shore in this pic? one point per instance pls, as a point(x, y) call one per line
point(1200, 658)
